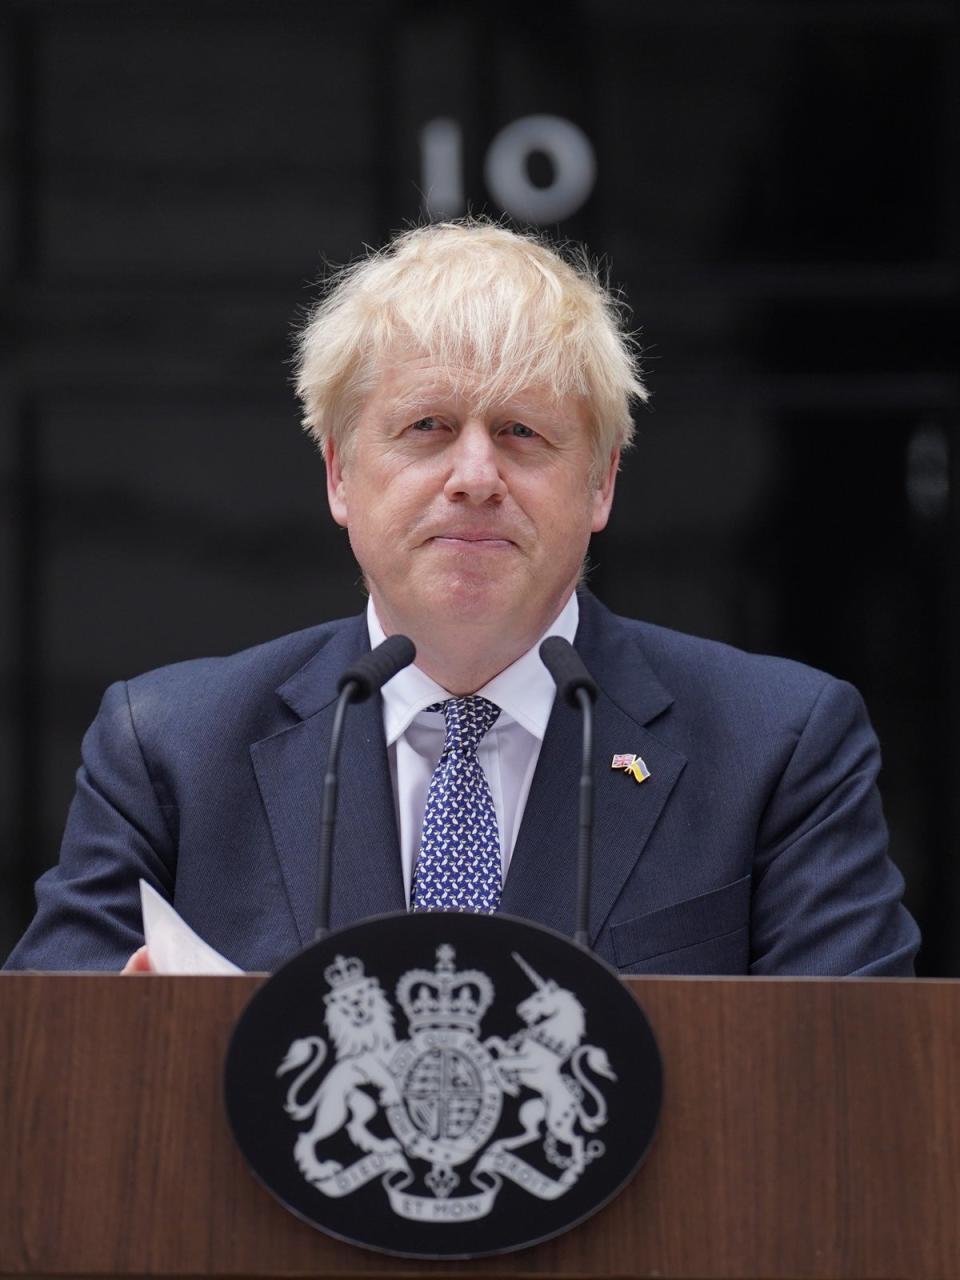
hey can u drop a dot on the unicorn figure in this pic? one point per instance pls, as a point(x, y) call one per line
point(546, 1057)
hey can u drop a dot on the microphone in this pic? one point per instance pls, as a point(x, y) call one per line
point(361, 680)
point(577, 688)
point(369, 673)
point(566, 666)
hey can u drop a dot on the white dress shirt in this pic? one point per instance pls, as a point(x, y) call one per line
point(508, 754)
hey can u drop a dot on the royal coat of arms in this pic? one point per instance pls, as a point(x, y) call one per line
point(445, 1115)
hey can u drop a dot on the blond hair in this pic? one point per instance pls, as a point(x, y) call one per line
point(479, 297)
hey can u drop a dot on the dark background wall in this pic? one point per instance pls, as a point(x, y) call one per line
point(776, 188)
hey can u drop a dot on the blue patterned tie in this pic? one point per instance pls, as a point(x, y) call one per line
point(458, 868)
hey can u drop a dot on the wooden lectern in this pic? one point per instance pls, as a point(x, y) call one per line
point(810, 1129)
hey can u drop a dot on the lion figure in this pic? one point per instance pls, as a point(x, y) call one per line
point(359, 1024)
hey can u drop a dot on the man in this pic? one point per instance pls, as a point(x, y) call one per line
point(471, 392)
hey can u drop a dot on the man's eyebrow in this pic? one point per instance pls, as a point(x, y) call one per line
point(433, 400)
point(420, 401)
point(414, 404)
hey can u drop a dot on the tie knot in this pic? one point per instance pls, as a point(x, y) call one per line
point(467, 720)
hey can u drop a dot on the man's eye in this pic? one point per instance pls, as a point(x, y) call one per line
point(425, 424)
point(521, 431)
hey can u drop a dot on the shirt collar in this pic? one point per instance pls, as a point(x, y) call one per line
point(524, 691)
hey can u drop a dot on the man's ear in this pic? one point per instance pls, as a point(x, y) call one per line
point(336, 484)
point(603, 496)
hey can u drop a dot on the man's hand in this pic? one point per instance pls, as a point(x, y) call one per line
point(139, 962)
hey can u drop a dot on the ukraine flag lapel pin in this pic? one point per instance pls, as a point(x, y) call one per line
point(631, 764)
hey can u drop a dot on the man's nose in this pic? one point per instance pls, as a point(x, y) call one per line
point(475, 466)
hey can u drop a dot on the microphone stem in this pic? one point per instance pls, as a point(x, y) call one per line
point(585, 834)
point(328, 813)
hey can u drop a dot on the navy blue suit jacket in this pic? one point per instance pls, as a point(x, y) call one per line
point(757, 844)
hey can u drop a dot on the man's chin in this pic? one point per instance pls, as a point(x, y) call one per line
point(473, 601)
point(455, 601)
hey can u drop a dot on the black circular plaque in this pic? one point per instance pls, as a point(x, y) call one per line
point(443, 1085)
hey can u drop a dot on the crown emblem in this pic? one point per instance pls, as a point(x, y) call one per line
point(446, 997)
point(345, 973)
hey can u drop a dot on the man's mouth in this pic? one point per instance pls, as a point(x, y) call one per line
point(473, 539)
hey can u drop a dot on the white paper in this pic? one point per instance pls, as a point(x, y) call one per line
point(172, 945)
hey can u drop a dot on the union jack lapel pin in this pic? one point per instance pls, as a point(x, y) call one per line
point(632, 764)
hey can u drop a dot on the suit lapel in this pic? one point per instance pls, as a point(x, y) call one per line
point(289, 766)
point(366, 878)
point(626, 812)
point(541, 883)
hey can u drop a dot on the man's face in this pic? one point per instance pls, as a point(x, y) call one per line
point(470, 524)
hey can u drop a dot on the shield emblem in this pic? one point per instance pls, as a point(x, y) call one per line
point(450, 1102)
